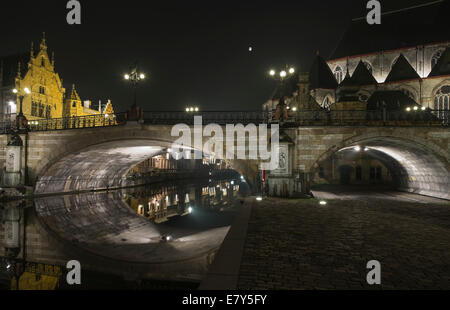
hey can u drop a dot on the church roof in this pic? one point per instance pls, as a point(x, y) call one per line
point(409, 27)
point(362, 75)
point(394, 99)
point(401, 70)
point(442, 67)
point(320, 75)
point(9, 66)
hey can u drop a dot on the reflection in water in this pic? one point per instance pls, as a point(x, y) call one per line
point(169, 232)
point(161, 203)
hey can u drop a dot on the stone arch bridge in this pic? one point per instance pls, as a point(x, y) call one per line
point(76, 159)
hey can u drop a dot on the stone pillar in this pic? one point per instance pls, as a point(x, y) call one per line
point(13, 173)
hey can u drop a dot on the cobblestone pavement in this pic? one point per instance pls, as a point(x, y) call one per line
point(299, 244)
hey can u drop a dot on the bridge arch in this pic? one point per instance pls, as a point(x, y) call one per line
point(417, 165)
point(100, 158)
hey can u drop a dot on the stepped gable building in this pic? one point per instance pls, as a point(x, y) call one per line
point(408, 53)
point(48, 98)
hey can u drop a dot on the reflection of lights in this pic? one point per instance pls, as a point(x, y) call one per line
point(357, 148)
point(190, 209)
point(259, 198)
point(366, 149)
point(232, 182)
point(242, 177)
point(323, 202)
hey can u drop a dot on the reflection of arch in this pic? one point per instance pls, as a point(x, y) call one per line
point(338, 74)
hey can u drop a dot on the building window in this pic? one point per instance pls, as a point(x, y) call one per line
point(34, 108)
point(47, 111)
point(435, 58)
point(358, 173)
point(372, 173)
point(442, 103)
point(42, 90)
point(338, 74)
point(74, 104)
point(43, 62)
point(378, 173)
point(41, 110)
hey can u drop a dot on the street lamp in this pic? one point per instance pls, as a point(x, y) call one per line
point(284, 74)
point(134, 77)
point(21, 119)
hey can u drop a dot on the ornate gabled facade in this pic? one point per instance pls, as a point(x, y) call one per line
point(402, 54)
point(409, 53)
point(48, 98)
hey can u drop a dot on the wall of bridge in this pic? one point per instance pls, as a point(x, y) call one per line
point(422, 153)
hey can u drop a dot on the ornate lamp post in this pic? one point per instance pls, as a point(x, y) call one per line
point(134, 77)
point(281, 76)
point(21, 120)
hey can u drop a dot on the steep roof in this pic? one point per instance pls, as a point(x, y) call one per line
point(401, 70)
point(442, 67)
point(395, 100)
point(320, 75)
point(362, 75)
point(9, 66)
point(418, 25)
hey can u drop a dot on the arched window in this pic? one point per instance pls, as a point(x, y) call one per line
point(442, 103)
point(435, 58)
point(368, 66)
point(338, 74)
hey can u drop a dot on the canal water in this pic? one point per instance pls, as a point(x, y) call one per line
point(154, 236)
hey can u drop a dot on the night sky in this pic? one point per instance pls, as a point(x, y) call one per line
point(195, 53)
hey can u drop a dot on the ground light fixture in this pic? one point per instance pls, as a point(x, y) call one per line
point(259, 198)
point(322, 202)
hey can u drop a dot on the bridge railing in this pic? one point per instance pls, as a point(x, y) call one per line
point(298, 118)
point(208, 117)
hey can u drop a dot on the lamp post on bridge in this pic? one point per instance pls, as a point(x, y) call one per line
point(282, 76)
point(134, 77)
point(21, 120)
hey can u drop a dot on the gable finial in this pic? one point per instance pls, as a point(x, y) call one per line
point(18, 70)
point(43, 42)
